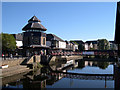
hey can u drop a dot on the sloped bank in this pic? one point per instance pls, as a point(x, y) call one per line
point(18, 66)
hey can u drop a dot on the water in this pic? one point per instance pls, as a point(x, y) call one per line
point(55, 76)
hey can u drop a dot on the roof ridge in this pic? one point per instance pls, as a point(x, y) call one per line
point(34, 18)
point(57, 37)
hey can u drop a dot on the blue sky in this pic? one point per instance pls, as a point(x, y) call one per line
point(68, 20)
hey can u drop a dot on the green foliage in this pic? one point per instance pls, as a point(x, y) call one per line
point(91, 48)
point(80, 47)
point(103, 65)
point(74, 42)
point(103, 44)
point(105, 56)
point(91, 56)
point(39, 65)
point(8, 43)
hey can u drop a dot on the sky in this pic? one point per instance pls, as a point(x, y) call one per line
point(68, 20)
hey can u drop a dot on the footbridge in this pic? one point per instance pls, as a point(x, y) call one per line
point(84, 76)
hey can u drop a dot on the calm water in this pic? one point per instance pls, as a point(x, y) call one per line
point(48, 76)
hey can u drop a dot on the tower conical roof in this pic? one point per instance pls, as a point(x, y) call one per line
point(34, 24)
point(34, 19)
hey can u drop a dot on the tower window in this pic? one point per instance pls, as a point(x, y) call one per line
point(43, 41)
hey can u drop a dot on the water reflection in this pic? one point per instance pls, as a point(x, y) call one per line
point(76, 74)
point(34, 81)
point(101, 65)
point(81, 64)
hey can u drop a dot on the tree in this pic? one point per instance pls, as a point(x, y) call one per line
point(91, 48)
point(81, 47)
point(74, 42)
point(8, 43)
point(103, 65)
point(103, 44)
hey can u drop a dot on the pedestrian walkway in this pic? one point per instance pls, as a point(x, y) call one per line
point(14, 70)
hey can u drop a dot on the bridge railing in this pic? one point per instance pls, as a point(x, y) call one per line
point(65, 53)
point(95, 53)
point(85, 76)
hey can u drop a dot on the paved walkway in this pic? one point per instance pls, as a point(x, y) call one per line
point(13, 70)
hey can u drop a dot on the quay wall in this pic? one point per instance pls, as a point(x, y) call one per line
point(64, 58)
point(18, 66)
point(36, 58)
point(14, 62)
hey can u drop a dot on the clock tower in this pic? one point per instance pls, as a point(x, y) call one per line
point(34, 37)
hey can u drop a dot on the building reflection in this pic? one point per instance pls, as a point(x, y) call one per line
point(101, 65)
point(34, 80)
point(63, 66)
point(81, 64)
point(42, 77)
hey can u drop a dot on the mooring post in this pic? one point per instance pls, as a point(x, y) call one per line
point(105, 82)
